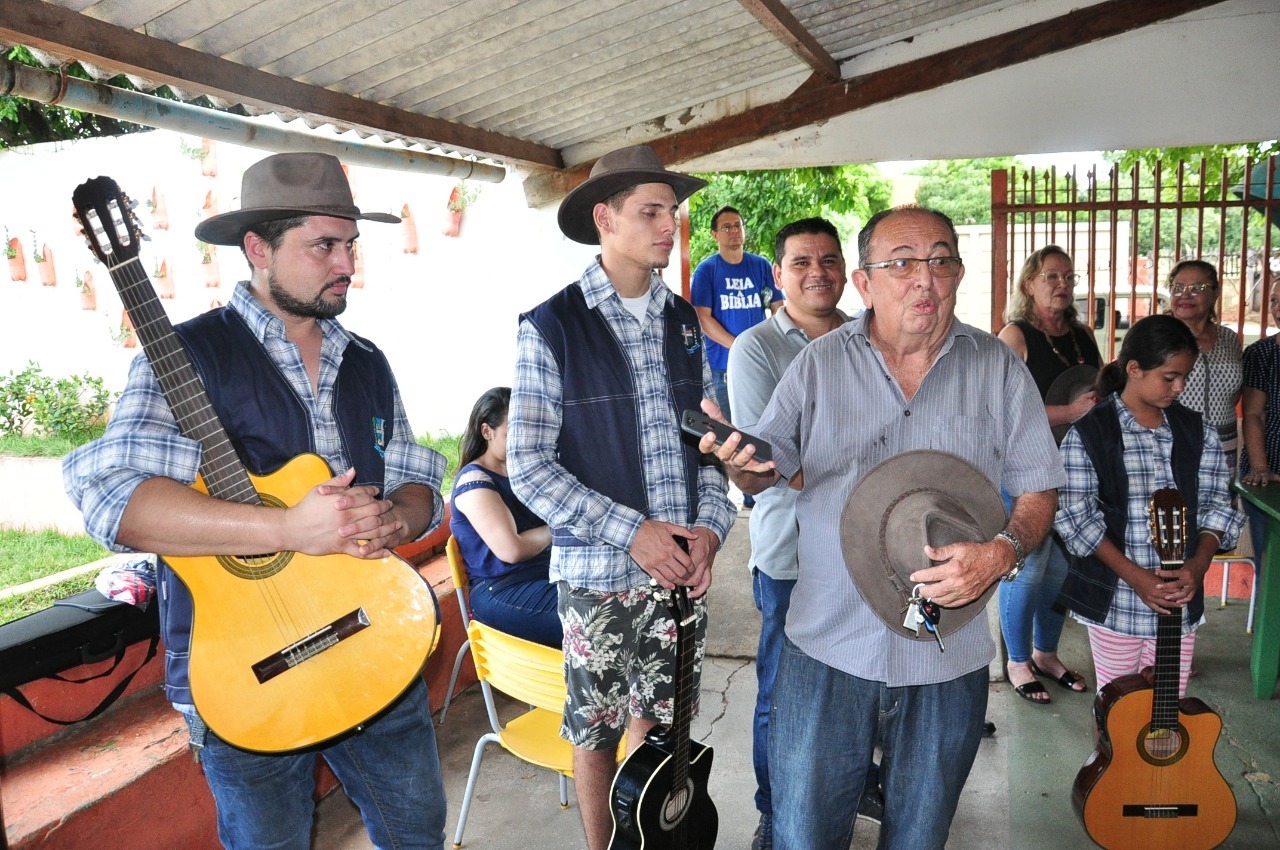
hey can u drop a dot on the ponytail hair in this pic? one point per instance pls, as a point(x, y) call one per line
point(1149, 343)
point(490, 409)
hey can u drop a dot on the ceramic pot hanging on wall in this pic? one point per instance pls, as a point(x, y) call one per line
point(210, 205)
point(17, 262)
point(453, 213)
point(409, 230)
point(88, 300)
point(159, 210)
point(357, 275)
point(209, 160)
point(48, 274)
point(130, 336)
point(164, 280)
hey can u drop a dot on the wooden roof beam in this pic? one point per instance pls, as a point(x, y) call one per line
point(60, 31)
point(818, 100)
point(778, 19)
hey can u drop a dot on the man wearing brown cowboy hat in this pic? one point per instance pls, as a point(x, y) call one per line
point(603, 370)
point(888, 533)
point(285, 378)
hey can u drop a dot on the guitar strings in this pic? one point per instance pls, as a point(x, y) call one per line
point(294, 615)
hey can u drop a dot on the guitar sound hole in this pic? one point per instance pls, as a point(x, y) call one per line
point(255, 567)
point(258, 567)
point(677, 804)
point(1162, 746)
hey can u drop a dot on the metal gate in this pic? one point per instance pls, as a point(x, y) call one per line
point(1125, 234)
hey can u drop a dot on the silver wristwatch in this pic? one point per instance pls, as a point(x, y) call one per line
point(1019, 554)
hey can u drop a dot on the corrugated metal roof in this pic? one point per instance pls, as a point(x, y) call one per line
point(541, 82)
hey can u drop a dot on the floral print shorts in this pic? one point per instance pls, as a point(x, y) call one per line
point(619, 661)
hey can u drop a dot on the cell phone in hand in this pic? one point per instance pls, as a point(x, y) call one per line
point(697, 423)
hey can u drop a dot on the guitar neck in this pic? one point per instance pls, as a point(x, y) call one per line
point(224, 475)
point(1168, 670)
point(682, 711)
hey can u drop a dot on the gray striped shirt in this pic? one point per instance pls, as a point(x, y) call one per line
point(837, 413)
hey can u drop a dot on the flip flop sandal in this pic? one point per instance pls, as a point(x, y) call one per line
point(1033, 687)
point(1067, 680)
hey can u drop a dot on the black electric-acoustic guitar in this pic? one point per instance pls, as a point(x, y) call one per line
point(659, 796)
point(1151, 782)
point(287, 650)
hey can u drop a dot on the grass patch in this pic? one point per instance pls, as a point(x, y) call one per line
point(449, 445)
point(29, 555)
point(13, 607)
point(50, 446)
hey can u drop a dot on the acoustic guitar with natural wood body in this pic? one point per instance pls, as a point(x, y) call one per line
point(1152, 782)
point(287, 650)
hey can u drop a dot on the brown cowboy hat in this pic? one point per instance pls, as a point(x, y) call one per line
point(911, 499)
point(1068, 387)
point(283, 186)
point(613, 172)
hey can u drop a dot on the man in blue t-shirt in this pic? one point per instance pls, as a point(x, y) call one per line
point(731, 290)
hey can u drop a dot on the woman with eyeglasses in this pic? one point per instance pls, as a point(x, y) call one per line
point(1044, 331)
point(1213, 387)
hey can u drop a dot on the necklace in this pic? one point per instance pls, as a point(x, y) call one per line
point(1075, 348)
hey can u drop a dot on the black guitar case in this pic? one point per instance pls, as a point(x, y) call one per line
point(83, 629)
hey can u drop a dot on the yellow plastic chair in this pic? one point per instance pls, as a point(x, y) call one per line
point(462, 590)
point(530, 673)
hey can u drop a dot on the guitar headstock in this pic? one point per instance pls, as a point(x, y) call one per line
point(1168, 517)
point(106, 215)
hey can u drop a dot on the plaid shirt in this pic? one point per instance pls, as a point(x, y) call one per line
point(1147, 463)
point(557, 496)
point(142, 439)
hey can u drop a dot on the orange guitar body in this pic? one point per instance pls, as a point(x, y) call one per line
point(1151, 782)
point(1137, 791)
point(360, 631)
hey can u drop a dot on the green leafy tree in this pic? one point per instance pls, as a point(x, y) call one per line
point(961, 188)
point(26, 122)
point(769, 200)
point(1194, 240)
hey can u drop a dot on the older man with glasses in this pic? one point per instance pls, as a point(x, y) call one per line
point(902, 377)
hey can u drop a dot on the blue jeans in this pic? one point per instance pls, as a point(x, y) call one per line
point(773, 598)
point(390, 770)
point(825, 727)
point(1026, 603)
point(522, 603)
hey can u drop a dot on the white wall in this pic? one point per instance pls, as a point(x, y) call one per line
point(446, 317)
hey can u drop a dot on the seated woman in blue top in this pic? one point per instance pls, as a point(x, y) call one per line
point(507, 549)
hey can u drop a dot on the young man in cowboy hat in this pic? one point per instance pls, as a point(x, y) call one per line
point(603, 370)
point(284, 378)
point(903, 376)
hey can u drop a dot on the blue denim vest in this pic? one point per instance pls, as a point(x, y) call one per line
point(269, 425)
point(1091, 584)
point(599, 441)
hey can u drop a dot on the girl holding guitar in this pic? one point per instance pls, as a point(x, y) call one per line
point(1145, 508)
point(1137, 440)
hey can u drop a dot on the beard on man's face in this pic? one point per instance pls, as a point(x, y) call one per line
point(316, 308)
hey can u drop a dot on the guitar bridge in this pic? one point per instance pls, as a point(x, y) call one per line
point(1174, 810)
point(310, 646)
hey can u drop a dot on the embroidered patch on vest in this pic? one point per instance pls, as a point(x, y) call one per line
point(692, 336)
